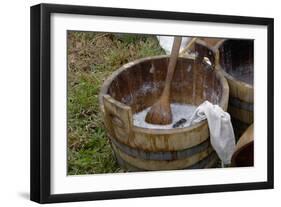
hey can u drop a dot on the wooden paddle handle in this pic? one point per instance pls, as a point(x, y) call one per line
point(189, 44)
point(172, 65)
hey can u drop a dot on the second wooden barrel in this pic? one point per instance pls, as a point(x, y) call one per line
point(237, 63)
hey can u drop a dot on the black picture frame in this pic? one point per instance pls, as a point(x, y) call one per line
point(41, 96)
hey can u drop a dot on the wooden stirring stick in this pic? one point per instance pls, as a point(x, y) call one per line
point(160, 112)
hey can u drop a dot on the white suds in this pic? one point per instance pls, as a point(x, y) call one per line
point(179, 111)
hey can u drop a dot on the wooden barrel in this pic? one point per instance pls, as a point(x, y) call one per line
point(244, 152)
point(235, 58)
point(136, 86)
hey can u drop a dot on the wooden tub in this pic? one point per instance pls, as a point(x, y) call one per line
point(235, 58)
point(136, 86)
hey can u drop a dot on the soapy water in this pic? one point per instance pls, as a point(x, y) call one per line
point(179, 112)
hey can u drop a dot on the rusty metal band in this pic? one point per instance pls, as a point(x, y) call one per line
point(166, 155)
point(235, 102)
point(199, 165)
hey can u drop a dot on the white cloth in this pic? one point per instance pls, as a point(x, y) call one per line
point(166, 42)
point(220, 127)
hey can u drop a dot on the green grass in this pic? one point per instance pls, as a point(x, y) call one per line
point(92, 57)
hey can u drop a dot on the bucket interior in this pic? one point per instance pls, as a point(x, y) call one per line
point(236, 58)
point(141, 84)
